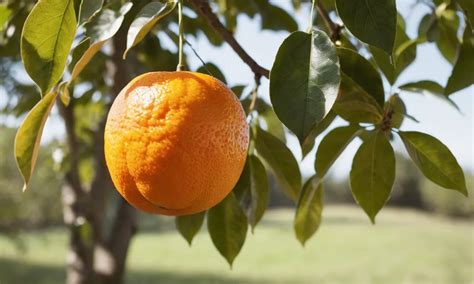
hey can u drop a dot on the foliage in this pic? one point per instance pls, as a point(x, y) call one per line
point(318, 75)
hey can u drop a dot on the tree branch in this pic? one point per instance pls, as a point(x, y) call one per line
point(334, 28)
point(73, 174)
point(202, 6)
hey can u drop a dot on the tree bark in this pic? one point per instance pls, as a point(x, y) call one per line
point(96, 256)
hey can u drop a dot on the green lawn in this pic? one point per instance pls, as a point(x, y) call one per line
point(404, 247)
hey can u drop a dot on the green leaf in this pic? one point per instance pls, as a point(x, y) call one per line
point(281, 161)
point(362, 72)
point(468, 8)
point(100, 29)
point(355, 105)
point(5, 13)
point(332, 145)
point(274, 125)
point(404, 54)
point(309, 210)
point(227, 226)
point(213, 70)
point(446, 34)
point(189, 225)
point(434, 160)
point(252, 190)
point(46, 40)
point(372, 21)
point(308, 143)
point(88, 9)
point(304, 81)
point(396, 106)
point(427, 87)
point(463, 70)
point(28, 137)
point(238, 90)
point(373, 173)
point(146, 20)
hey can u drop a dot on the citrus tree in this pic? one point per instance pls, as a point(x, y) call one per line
point(81, 53)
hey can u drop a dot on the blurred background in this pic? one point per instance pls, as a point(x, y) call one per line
point(425, 235)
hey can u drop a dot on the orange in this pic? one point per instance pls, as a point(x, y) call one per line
point(175, 142)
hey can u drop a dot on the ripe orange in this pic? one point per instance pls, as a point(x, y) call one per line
point(175, 142)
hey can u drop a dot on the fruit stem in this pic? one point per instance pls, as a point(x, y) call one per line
point(180, 66)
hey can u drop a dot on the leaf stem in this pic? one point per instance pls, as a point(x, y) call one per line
point(311, 15)
point(180, 66)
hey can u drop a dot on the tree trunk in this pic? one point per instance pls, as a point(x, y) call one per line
point(96, 256)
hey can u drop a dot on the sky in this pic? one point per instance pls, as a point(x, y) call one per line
point(436, 117)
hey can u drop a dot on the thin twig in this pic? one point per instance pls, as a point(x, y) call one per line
point(180, 66)
point(202, 6)
point(334, 28)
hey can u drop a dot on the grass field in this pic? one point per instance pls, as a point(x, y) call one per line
point(404, 247)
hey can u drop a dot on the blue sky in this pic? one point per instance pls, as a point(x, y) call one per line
point(436, 117)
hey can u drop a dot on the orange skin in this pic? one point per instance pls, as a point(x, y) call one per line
point(175, 142)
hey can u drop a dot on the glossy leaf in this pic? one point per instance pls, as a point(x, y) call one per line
point(227, 226)
point(146, 20)
point(309, 210)
point(372, 21)
point(281, 161)
point(189, 225)
point(28, 137)
point(304, 81)
point(362, 73)
point(252, 190)
point(373, 173)
point(46, 40)
point(427, 87)
point(355, 105)
point(331, 147)
point(462, 75)
point(308, 143)
point(88, 9)
point(434, 160)
point(99, 30)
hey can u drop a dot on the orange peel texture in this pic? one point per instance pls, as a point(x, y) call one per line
point(175, 142)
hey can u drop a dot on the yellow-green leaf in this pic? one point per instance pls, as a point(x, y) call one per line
point(354, 104)
point(189, 225)
point(28, 137)
point(227, 226)
point(309, 210)
point(46, 40)
point(373, 173)
point(100, 29)
point(146, 19)
point(462, 75)
point(281, 161)
point(434, 160)
point(332, 145)
point(252, 190)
